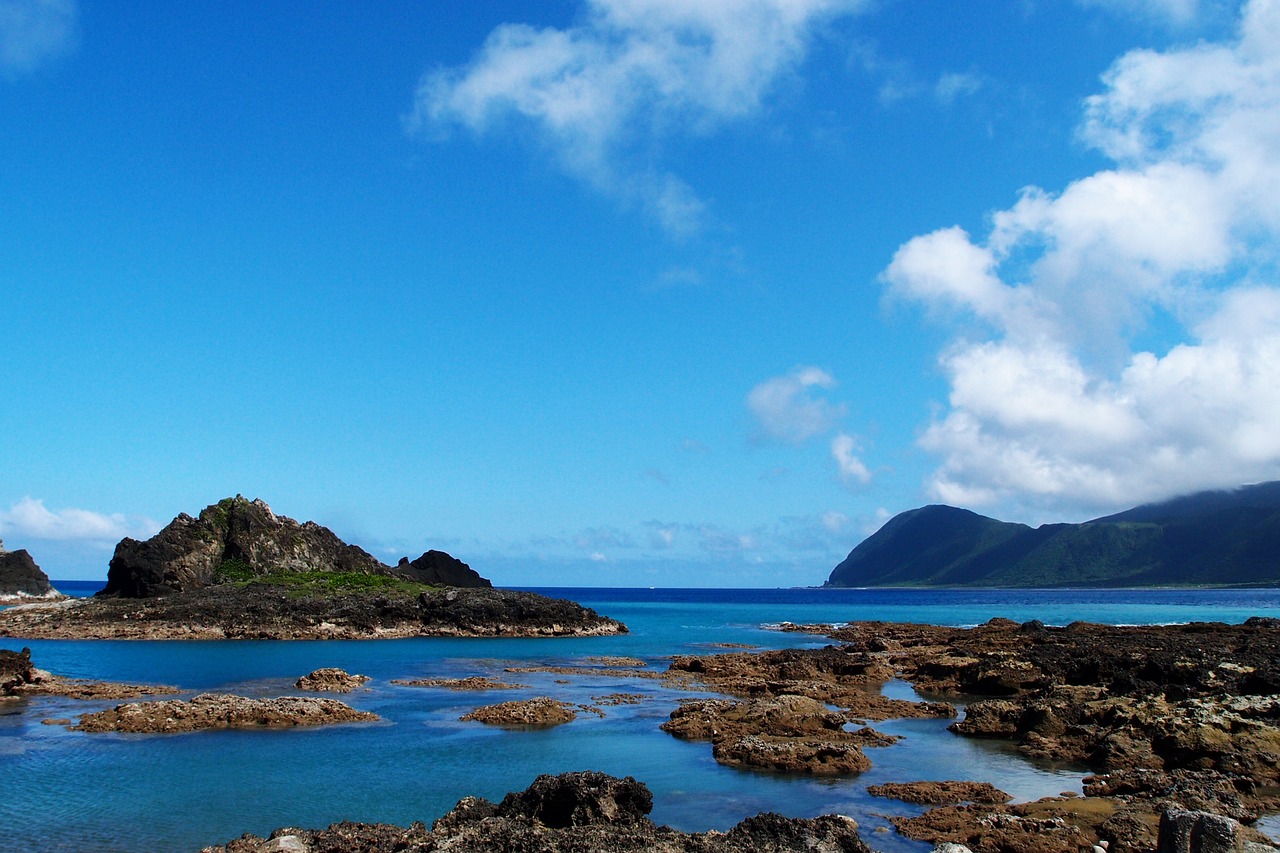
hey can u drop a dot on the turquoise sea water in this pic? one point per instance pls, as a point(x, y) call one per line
point(62, 790)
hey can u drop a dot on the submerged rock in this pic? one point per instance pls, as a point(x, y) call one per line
point(570, 813)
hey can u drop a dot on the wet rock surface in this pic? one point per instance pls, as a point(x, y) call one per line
point(539, 712)
point(267, 611)
point(330, 680)
point(221, 711)
point(786, 733)
point(940, 793)
point(469, 683)
point(1171, 717)
point(570, 813)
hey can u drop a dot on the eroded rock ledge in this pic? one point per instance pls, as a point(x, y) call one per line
point(221, 711)
point(268, 611)
point(569, 813)
point(1170, 717)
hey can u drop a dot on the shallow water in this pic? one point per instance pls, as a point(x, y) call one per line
point(180, 792)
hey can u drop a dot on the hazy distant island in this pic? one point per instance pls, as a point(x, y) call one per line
point(238, 570)
point(1214, 538)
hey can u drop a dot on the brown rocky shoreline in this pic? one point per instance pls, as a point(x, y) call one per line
point(1170, 718)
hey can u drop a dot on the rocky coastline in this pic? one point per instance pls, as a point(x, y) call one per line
point(1179, 717)
point(239, 571)
point(569, 813)
point(220, 711)
point(262, 611)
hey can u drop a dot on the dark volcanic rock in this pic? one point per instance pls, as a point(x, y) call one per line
point(20, 577)
point(286, 611)
point(440, 569)
point(234, 539)
point(571, 813)
point(16, 670)
point(19, 677)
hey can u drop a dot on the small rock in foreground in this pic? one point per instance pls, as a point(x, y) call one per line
point(573, 813)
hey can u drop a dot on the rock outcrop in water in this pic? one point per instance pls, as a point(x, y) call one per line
point(285, 611)
point(221, 711)
point(21, 580)
point(1172, 717)
point(569, 813)
point(241, 571)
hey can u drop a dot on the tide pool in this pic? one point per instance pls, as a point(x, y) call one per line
point(71, 791)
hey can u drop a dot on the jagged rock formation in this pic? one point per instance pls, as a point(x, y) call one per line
point(1215, 538)
point(569, 813)
point(440, 569)
point(21, 579)
point(233, 540)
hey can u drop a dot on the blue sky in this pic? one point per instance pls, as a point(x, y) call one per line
point(631, 292)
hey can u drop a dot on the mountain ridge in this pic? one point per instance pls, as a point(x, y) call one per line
point(1213, 538)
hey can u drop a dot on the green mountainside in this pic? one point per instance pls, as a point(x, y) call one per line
point(1227, 538)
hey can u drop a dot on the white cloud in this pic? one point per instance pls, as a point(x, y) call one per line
point(955, 84)
point(30, 518)
point(852, 469)
point(786, 410)
point(1054, 405)
point(33, 32)
point(628, 74)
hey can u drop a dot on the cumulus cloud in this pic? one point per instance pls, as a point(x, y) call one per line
point(603, 93)
point(844, 449)
point(1054, 404)
point(786, 409)
point(33, 32)
point(31, 518)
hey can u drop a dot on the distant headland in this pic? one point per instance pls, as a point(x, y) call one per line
point(1214, 538)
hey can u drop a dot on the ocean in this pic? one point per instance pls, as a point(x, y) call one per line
point(71, 791)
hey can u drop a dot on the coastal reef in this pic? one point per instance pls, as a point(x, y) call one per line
point(311, 611)
point(1168, 717)
point(221, 711)
point(21, 580)
point(239, 571)
point(568, 813)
